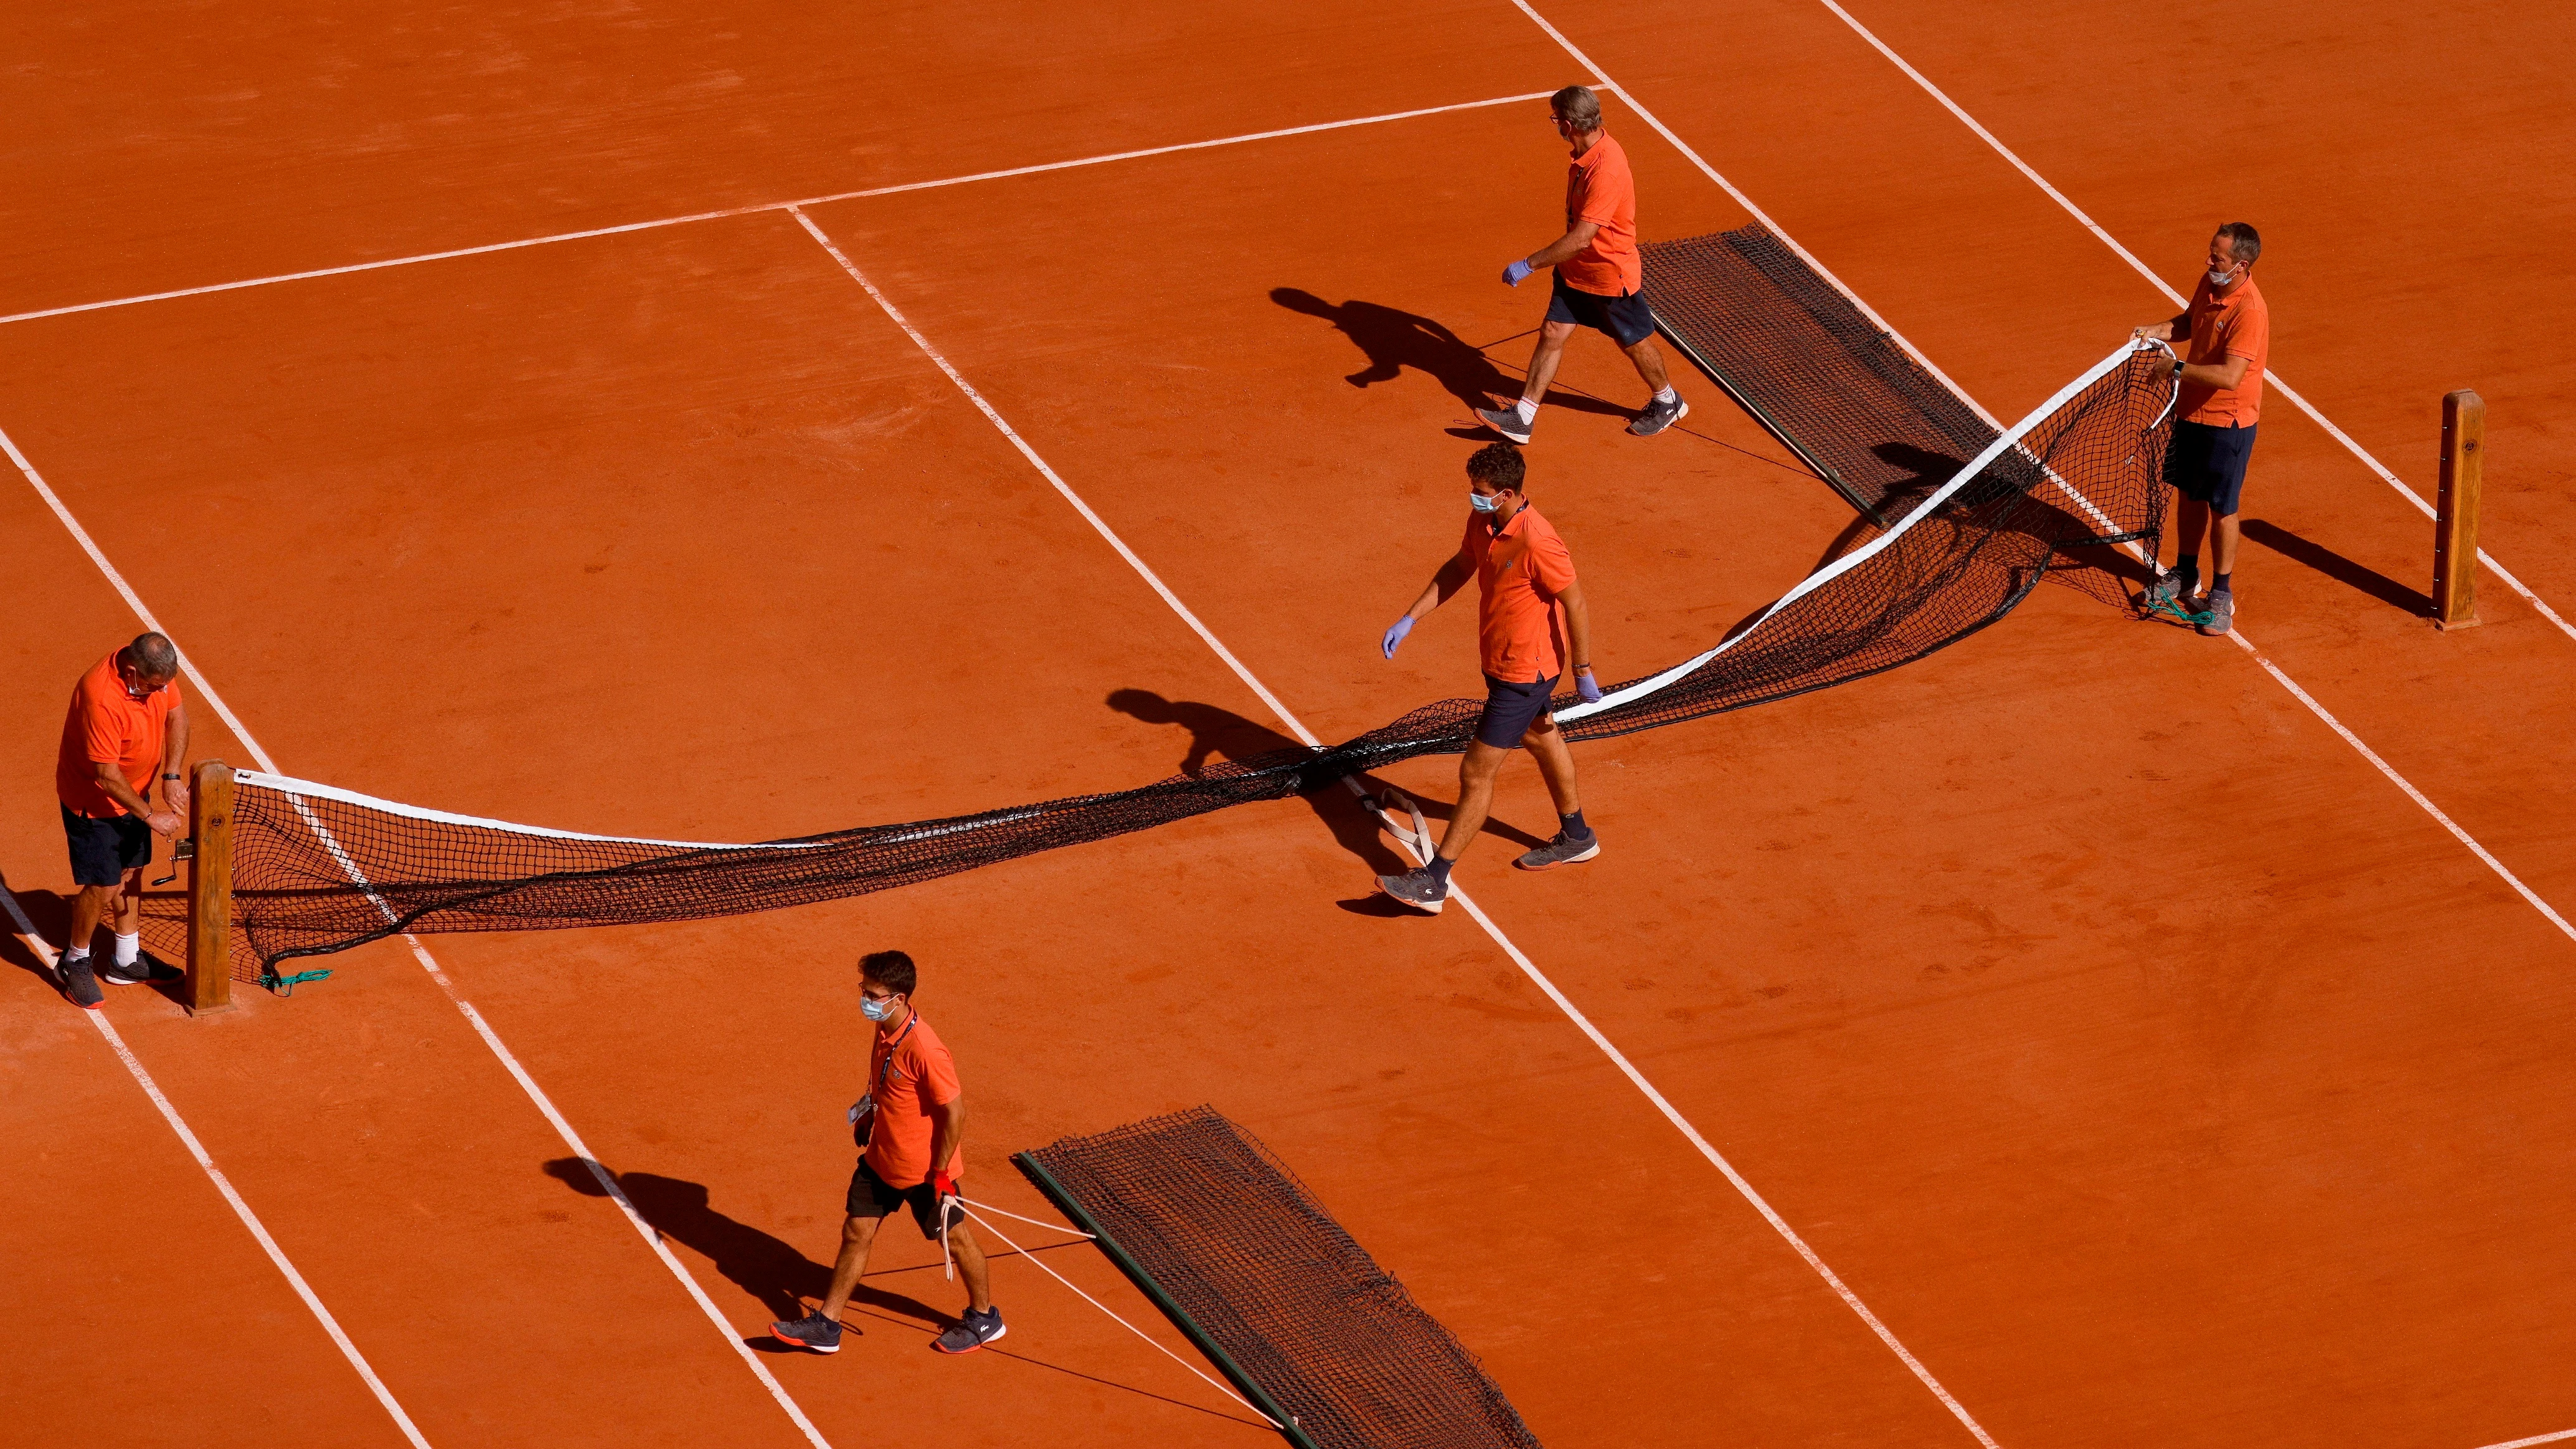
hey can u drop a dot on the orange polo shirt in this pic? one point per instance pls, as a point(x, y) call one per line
point(907, 1074)
point(2236, 325)
point(1519, 573)
point(1600, 189)
point(107, 726)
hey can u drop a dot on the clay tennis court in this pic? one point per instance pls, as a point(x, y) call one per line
point(2091, 1034)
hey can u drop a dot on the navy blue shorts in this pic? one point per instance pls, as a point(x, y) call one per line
point(104, 850)
point(2207, 464)
point(1625, 317)
point(872, 1196)
point(1510, 710)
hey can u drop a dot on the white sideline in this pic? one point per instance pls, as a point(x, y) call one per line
point(2535, 1439)
point(2418, 796)
point(2176, 298)
point(492, 1040)
point(1457, 892)
point(538, 241)
point(206, 1164)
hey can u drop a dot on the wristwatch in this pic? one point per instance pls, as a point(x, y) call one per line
point(2177, 365)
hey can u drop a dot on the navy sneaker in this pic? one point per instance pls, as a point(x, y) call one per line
point(972, 1332)
point(80, 984)
point(813, 1331)
point(1506, 421)
point(147, 968)
point(1419, 889)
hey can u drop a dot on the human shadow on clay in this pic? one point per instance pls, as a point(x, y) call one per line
point(1220, 733)
point(165, 932)
point(2348, 572)
point(1393, 340)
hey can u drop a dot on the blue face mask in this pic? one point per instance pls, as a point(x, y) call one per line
point(1481, 502)
point(876, 1010)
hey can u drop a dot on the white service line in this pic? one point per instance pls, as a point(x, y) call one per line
point(1456, 892)
point(538, 241)
point(2176, 298)
point(206, 1164)
point(563, 1129)
point(2275, 671)
point(2536, 1439)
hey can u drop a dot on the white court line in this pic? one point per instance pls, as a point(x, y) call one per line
point(1456, 892)
point(206, 1164)
point(538, 241)
point(563, 1129)
point(2177, 298)
point(2535, 1439)
point(2418, 796)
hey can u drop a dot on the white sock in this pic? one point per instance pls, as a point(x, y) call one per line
point(75, 953)
point(1667, 395)
point(128, 947)
point(1528, 409)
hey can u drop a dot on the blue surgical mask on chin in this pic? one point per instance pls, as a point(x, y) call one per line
point(876, 1010)
point(1481, 502)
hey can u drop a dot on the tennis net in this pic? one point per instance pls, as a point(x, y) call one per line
point(318, 869)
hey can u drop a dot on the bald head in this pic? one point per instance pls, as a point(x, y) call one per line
point(153, 658)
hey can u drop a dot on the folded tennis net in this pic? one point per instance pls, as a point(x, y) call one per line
point(1226, 1240)
point(317, 869)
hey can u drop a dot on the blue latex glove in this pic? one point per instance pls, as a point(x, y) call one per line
point(1395, 633)
point(1586, 688)
point(1513, 274)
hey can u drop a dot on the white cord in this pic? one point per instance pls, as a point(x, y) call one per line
point(1105, 1308)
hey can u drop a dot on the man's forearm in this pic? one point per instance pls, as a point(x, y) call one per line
point(116, 789)
point(1559, 249)
point(174, 753)
point(1578, 636)
point(947, 1126)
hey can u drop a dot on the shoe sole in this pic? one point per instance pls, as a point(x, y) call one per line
point(1432, 909)
point(1678, 414)
point(1524, 864)
point(979, 1344)
point(801, 1343)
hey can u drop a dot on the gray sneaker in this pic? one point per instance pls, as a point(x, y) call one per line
point(1563, 850)
point(2222, 615)
point(1659, 416)
point(812, 1332)
point(2167, 592)
point(147, 968)
point(1418, 889)
point(80, 983)
point(1506, 421)
point(972, 1332)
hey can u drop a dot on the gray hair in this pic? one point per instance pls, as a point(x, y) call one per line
point(1578, 107)
point(2243, 241)
point(153, 656)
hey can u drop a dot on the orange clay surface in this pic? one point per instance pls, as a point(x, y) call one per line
point(2148, 1062)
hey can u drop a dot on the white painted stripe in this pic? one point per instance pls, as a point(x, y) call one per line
point(2279, 384)
point(2536, 1439)
point(539, 241)
point(1298, 727)
point(206, 1163)
point(491, 1039)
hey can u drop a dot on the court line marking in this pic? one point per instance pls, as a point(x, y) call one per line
point(2319, 710)
point(2141, 268)
point(2535, 1439)
point(1457, 892)
point(491, 1039)
point(45, 953)
point(753, 210)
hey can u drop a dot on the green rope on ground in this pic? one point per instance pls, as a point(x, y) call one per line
point(285, 985)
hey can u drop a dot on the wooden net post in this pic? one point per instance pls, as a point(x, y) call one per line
point(210, 890)
point(2455, 519)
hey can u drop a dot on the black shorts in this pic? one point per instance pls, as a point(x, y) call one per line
point(1510, 709)
point(2207, 464)
point(872, 1196)
point(1625, 317)
point(104, 850)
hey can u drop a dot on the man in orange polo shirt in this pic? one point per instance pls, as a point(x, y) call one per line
point(1522, 572)
point(2222, 342)
point(126, 724)
point(913, 1121)
point(1599, 279)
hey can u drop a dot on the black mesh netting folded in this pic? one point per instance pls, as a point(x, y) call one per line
point(1239, 1250)
point(1984, 516)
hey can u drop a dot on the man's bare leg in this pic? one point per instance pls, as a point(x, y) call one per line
point(1650, 364)
point(1475, 798)
point(972, 1267)
point(857, 1236)
point(1552, 337)
point(89, 908)
point(2222, 549)
point(1546, 744)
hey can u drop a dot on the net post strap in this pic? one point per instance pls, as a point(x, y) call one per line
point(2010, 438)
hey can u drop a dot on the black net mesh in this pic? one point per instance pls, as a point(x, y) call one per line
point(318, 870)
point(1239, 1246)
